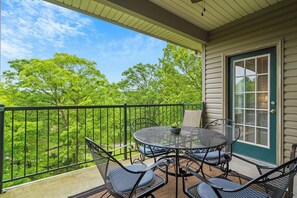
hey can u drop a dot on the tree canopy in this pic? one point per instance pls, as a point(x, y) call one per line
point(62, 80)
point(176, 79)
point(69, 80)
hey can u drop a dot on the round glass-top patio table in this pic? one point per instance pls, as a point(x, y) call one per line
point(189, 138)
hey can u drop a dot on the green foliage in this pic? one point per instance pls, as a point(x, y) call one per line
point(180, 75)
point(140, 84)
point(177, 79)
point(175, 124)
point(63, 80)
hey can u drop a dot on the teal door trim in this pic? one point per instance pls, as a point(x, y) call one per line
point(254, 151)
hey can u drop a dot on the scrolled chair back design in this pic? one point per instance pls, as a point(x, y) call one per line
point(229, 128)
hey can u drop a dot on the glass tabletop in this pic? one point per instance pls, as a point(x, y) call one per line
point(189, 137)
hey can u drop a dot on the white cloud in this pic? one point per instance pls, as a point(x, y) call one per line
point(30, 24)
point(129, 48)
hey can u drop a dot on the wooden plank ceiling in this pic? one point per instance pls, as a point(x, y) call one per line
point(176, 21)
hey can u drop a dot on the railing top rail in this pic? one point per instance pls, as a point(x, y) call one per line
point(89, 106)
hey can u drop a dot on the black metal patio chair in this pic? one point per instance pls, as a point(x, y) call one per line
point(220, 156)
point(273, 182)
point(126, 181)
point(145, 150)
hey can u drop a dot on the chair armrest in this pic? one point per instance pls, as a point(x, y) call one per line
point(164, 161)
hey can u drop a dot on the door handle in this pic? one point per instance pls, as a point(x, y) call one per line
point(272, 111)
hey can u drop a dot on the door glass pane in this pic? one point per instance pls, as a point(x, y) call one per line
point(239, 100)
point(239, 68)
point(250, 134)
point(262, 118)
point(262, 137)
point(239, 116)
point(250, 83)
point(250, 117)
point(262, 83)
point(239, 86)
point(262, 100)
point(250, 67)
point(262, 65)
point(249, 100)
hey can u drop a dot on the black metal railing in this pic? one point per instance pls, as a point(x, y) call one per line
point(38, 141)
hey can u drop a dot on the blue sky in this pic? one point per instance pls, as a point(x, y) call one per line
point(37, 29)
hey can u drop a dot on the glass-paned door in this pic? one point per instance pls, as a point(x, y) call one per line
point(252, 103)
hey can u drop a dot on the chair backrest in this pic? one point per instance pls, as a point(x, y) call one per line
point(227, 127)
point(276, 181)
point(103, 159)
point(140, 123)
point(113, 172)
point(192, 118)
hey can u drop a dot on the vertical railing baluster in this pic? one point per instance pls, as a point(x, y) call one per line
point(114, 136)
point(120, 109)
point(129, 124)
point(85, 134)
point(2, 108)
point(12, 144)
point(25, 145)
point(58, 138)
point(183, 109)
point(107, 137)
point(125, 130)
point(100, 132)
point(68, 161)
point(36, 159)
point(48, 137)
point(93, 122)
point(76, 151)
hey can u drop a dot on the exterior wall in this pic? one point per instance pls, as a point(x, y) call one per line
point(273, 26)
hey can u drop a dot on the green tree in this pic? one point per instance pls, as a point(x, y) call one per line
point(62, 80)
point(180, 76)
point(140, 84)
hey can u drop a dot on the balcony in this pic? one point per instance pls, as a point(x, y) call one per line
point(45, 154)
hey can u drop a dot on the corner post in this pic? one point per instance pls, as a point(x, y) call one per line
point(203, 114)
point(125, 130)
point(2, 108)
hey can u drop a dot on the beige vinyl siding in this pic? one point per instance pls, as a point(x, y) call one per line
point(249, 33)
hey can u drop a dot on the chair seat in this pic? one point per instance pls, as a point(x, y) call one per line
point(210, 155)
point(148, 151)
point(213, 157)
point(206, 191)
point(123, 181)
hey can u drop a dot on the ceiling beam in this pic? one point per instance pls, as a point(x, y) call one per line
point(151, 12)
